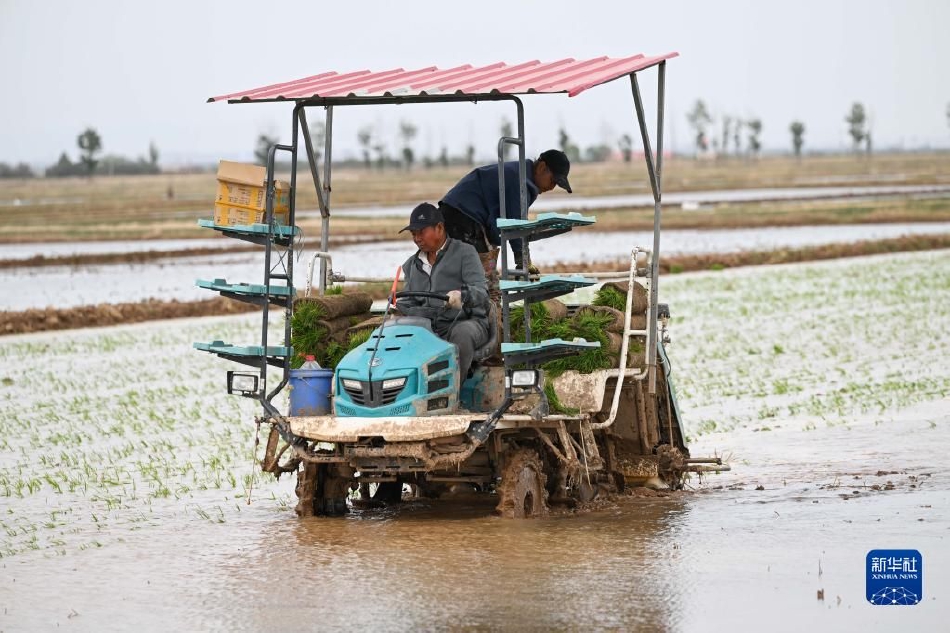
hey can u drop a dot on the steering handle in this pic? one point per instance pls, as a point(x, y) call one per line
point(422, 294)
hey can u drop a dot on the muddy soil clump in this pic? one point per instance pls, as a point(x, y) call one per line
point(103, 314)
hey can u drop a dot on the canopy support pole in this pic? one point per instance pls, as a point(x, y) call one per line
point(655, 172)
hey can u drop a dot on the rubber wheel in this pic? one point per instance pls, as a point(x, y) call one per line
point(522, 494)
point(320, 491)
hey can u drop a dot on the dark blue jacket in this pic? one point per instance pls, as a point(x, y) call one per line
point(476, 195)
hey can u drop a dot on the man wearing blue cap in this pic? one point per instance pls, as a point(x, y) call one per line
point(450, 267)
point(471, 208)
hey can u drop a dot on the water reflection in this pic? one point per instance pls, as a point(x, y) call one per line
point(453, 564)
point(174, 279)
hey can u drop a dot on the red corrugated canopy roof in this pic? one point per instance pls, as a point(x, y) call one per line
point(566, 75)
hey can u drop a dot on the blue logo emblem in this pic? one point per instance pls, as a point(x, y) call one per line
point(894, 576)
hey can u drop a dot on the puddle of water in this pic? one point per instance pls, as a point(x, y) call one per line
point(716, 196)
point(709, 560)
point(60, 249)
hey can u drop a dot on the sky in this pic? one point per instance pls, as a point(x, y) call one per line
point(140, 72)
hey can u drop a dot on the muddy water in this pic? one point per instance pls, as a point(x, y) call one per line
point(64, 286)
point(723, 556)
point(124, 470)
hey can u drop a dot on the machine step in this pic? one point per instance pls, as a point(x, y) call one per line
point(543, 226)
point(249, 293)
point(250, 355)
point(543, 351)
point(256, 233)
point(547, 287)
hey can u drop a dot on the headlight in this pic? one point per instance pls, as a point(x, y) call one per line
point(525, 378)
point(243, 384)
point(352, 384)
point(394, 383)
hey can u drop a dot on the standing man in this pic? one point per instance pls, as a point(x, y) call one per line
point(450, 267)
point(471, 208)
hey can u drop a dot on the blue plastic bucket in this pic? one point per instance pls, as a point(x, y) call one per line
point(310, 391)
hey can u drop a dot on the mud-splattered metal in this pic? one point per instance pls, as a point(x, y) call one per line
point(571, 76)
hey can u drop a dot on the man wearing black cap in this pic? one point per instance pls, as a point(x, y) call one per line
point(471, 208)
point(450, 267)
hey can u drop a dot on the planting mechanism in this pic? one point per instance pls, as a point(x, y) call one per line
point(398, 411)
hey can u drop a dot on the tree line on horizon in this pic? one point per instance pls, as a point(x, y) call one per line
point(89, 163)
point(731, 130)
point(375, 153)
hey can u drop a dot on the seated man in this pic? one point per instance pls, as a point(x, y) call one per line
point(448, 267)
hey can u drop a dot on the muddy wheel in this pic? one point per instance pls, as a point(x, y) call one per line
point(332, 490)
point(522, 494)
point(321, 490)
point(306, 489)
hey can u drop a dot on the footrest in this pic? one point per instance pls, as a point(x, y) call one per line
point(249, 293)
point(547, 287)
point(256, 233)
point(542, 351)
point(543, 226)
point(250, 355)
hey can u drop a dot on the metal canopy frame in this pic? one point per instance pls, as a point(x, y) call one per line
point(323, 187)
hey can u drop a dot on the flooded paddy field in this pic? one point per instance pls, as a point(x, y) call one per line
point(173, 278)
point(125, 475)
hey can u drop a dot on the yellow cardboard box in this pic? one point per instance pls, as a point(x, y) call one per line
point(242, 185)
point(228, 215)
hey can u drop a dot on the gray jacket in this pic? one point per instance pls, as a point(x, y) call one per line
point(455, 266)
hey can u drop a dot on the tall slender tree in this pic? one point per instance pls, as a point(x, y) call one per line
point(755, 128)
point(365, 138)
point(89, 145)
point(856, 120)
point(408, 132)
point(797, 128)
point(726, 127)
point(625, 143)
point(699, 120)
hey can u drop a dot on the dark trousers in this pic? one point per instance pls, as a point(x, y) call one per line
point(464, 229)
